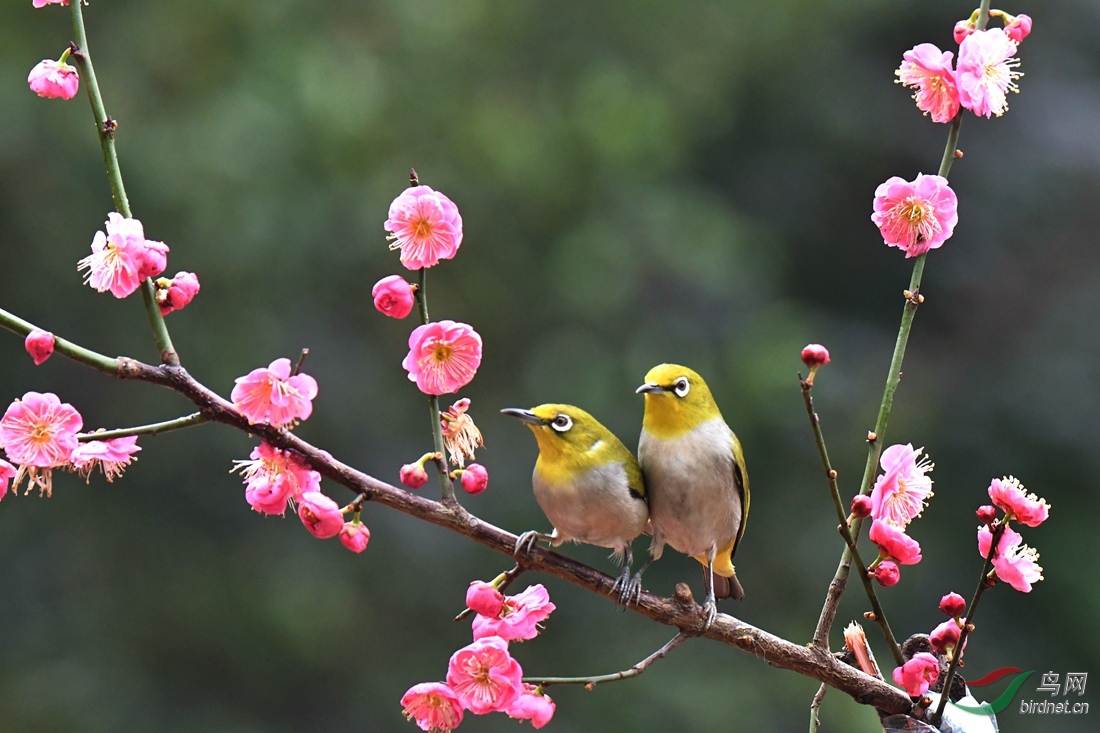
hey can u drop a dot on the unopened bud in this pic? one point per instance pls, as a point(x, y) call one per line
point(413, 475)
point(861, 505)
point(958, 154)
point(475, 478)
point(953, 605)
point(887, 573)
point(815, 356)
point(39, 345)
point(987, 514)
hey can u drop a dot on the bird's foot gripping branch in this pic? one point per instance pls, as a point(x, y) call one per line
point(688, 487)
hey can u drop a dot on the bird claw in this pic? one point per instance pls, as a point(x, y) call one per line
point(526, 541)
point(710, 610)
point(628, 589)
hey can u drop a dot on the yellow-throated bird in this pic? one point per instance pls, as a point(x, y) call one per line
point(695, 471)
point(588, 484)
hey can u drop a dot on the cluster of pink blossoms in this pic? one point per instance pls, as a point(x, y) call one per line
point(1013, 562)
point(483, 677)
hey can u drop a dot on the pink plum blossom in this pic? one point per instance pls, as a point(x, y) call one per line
point(7, 473)
point(174, 294)
point(518, 618)
point(894, 543)
point(475, 478)
point(433, 705)
point(38, 433)
point(1015, 563)
point(44, 3)
point(484, 676)
point(1010, 495)
point(532, 705)
point(270, 394)
point(39, 344)
point(887, 573)
point(484, 599)
point(111, 456)
point(1017, 28)
point(986, 72)
point(355, 536)
point(273, 477)
point(928, 70)
point(122, 258)
point(917, 674)
point(915, 216)
point(945, 637)
point(54, 79)
point(903, 489)
point(320, 515)
point(953, 605)
point(963, 29)
point(460, 436)
point(413, 475)
point(393, 296)
point(425, 225)
point(443, 357)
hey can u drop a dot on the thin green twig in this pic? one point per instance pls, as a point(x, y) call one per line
point(195, 418)
point(66, 348)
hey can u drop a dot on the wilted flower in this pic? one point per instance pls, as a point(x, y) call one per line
point(111, 456)
point(518, 618)
point(38, 433)
point(902, 491)
point(484, 676)
point(54, 79)
point(915, 216)
point(1011, 496)
point(433, 705)
point(39, 344)
point(986, 72)
point(928, 70)
point(270, 394)
point(443, 357)
point(917, 674)
point(425, 225)
point(460, 435)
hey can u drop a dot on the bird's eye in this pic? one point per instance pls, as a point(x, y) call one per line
point(681, 387)
point(562, 423)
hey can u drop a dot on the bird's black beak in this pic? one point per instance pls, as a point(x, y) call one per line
point(525, 415)
point(650, 387)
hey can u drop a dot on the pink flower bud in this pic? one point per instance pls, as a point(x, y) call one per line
point(413, 475)
point(815, 356)
point(987, 514)
point(945, 637)
point(475, 478)
point(861, 505)
point(1017, 27)
point(887, 573)
point(393, 296)
point(963, 29)
point(54, 80)
point(918, 673)
point(152, 259)
point(320, 515)
point(44, 3)
point(484, 598)
point(39, 345)
point(174, 294)
point(354, 536)
point(953, 605)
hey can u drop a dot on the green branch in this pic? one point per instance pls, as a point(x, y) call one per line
point(445, 484)
point(66, 348)
point(195, 418)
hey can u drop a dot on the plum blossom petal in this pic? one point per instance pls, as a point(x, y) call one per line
point(1017, 28)
point(54, 80)
point(320, 515)
point(945, 637)
point(918, 673)
point(38, 433)
point(273, 396)
point(903, 490)
point(1015, 563)
point(928, 70)
point(893, 542)
point(1011, 496)
point(7, 473)
point(915, 216)
point(986, 72)
point(519, 616)
point(274, 477)
point(122, 258)
point(484, 676)
point(532, 705)
point(433, 705)
point(111, 456)
point(44, 3)
point(443, 357)
point(425, 225)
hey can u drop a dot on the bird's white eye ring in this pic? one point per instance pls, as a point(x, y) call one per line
point(681, 387)
point(561, 423)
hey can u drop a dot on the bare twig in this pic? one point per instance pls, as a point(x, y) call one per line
point(815, 707)
point(637, 669)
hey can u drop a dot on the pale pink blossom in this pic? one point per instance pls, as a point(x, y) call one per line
point(945, 637)
point(433, 705)
point(270, 394)
point(39, 344)
point(443, 357)
point(460, 436)
point(38, 433)
point(985, 540)
point(413, 475)
point(1015, 563)
point(122, 258)
point(484, 598)
point(320, 515)
point(887, 573)
point(273, 477)
point(54, 80)
point(953, 605)
point(484, 676)
point(355, 536)
point(393, 296)
point(1017, 28)
point(903, 490)
point(174, 294)
point(7, 473)
point(111, 456)
point(928, 70)
point(425, 225)
point(986, 72)
point(918, 674)
point(518, 618)
point(915, 216)
point(532, 705)
point(1011, 496)
point(475, 478)
point(894, 543)
point(44, 3)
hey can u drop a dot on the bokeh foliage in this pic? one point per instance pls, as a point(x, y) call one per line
point(640, 182)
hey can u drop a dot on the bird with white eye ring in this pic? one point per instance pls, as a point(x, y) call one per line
point(588, 484)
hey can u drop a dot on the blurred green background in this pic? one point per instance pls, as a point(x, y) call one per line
point(640, 182)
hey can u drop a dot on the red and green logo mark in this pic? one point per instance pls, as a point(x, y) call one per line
point(1005, 698)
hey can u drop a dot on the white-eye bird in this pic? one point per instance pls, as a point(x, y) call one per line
point(588, 484)
point(695, 472)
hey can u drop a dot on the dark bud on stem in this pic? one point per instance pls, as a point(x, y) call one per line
point(987, 514)
point(861, 505)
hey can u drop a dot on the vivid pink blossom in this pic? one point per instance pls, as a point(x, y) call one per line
point(986, 72)
point(862, 505)
point(963, 29)
point(39, 344)
point(273, 477)
point(38, 433)
point(54, 80)
point(518, 618)
point(425, 225)
point(433, 705)
point(1010, 495)
point(985, 539)
point(887, 573)
point(917, 674)
point(928, 70)
point(915, 216)
point(903, 489)
point(532, 705)
point(484, 598)
point(7, 473)
point(460, 436)
point(320, 515)
point(1015, 563)
point(393, 296)
point(986, 514)
point(111, 456)
point(893, 542)
point(815, 356)
point(122, 258)
point(44, 3)
point(484, 676)
point(953, 605)
point(1017, 28)
point(354, 536)
point(443, 357)
point(174, 294)
point(945, 637)
point(413, 475)
point(475, 478)
point(270, 394)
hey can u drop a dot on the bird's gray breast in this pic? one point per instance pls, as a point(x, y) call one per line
point(597, 508)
